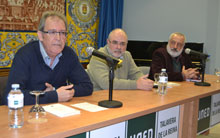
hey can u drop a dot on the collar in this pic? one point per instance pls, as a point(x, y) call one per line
point(44, 53)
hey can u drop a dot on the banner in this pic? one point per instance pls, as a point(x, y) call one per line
point(113, 131)
point(168, 123)
point(142, 127)
point(204, 114)
point(215, 109)
point(19, 23)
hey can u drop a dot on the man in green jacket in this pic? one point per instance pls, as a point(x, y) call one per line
point(127, 75)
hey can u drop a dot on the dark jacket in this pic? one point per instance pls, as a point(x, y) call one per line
point(162, 59)
point(30, 71)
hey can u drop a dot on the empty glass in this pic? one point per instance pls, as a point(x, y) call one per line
point(37, 114)
point(217, 73)
point(156, 78)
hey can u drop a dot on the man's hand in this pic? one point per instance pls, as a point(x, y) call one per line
point(65, 93)
point(144, 84)
point(190, 73)
point(49, 87)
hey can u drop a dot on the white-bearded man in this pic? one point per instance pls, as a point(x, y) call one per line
point(178, 64)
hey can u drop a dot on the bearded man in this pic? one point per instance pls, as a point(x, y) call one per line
point(178, 65)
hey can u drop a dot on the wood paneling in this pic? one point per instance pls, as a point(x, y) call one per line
point(4, 72)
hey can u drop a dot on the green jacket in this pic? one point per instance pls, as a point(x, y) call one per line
point(125, 77)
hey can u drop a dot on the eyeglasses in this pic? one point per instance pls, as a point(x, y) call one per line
point(53, 33)
point(118, 43)
point(172, 42)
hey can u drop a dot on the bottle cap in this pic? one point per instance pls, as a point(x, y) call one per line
point(15, 86)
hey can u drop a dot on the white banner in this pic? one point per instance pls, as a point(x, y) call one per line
point(168, 123)
point(113, 131)
point(215, 109)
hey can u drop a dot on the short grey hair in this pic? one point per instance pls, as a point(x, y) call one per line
point(50, 14)
point(179, 34)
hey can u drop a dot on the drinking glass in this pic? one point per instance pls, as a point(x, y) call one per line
point(217, 73)
point(37, 114)
point(156, 78)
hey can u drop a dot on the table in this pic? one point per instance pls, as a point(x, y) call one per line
point(136, 103)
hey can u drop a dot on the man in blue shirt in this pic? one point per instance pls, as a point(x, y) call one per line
point(48, 65)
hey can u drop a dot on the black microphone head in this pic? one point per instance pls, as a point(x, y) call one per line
point(187, 51)
point(89, 50)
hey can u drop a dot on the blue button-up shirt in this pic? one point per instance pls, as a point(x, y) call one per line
point(47, 59)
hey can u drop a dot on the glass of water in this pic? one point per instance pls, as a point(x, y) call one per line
point(217, 73)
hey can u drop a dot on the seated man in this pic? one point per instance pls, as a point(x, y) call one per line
point(48, 64)
point(171, 57)
point(127, 74)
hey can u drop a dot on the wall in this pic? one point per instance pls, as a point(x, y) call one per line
point(217, 62)
point(154, 20)
point(211, 39)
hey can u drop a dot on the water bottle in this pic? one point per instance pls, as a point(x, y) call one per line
point(15, 105)
point(162, 84)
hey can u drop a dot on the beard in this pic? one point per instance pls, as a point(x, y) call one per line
point(173, 52)
point(115, 53)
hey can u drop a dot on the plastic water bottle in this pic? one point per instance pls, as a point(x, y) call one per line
point(162, 84)
point(15, 105)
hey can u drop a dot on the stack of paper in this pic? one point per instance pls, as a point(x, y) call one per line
point(61, 110)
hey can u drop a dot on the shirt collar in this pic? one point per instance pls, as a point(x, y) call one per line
point(44, 53)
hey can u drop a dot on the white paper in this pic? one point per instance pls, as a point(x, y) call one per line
point(172, 84)
point(89, 107)
point(193, 80)
point(61, 110)
point(169, 84)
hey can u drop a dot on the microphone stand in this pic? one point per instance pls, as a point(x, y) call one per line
point(110, 103)
point(202, 83)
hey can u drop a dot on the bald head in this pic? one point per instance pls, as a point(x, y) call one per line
point(118, 31)
point(117, 42)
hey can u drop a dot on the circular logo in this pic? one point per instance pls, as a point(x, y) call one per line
point(83, 13)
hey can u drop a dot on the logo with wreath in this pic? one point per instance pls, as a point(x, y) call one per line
point(83, 13)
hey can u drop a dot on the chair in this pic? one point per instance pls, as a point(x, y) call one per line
point(144, 69)
point(3, 82)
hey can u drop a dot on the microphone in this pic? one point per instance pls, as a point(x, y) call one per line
point(92, 51)
point(193, 52)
